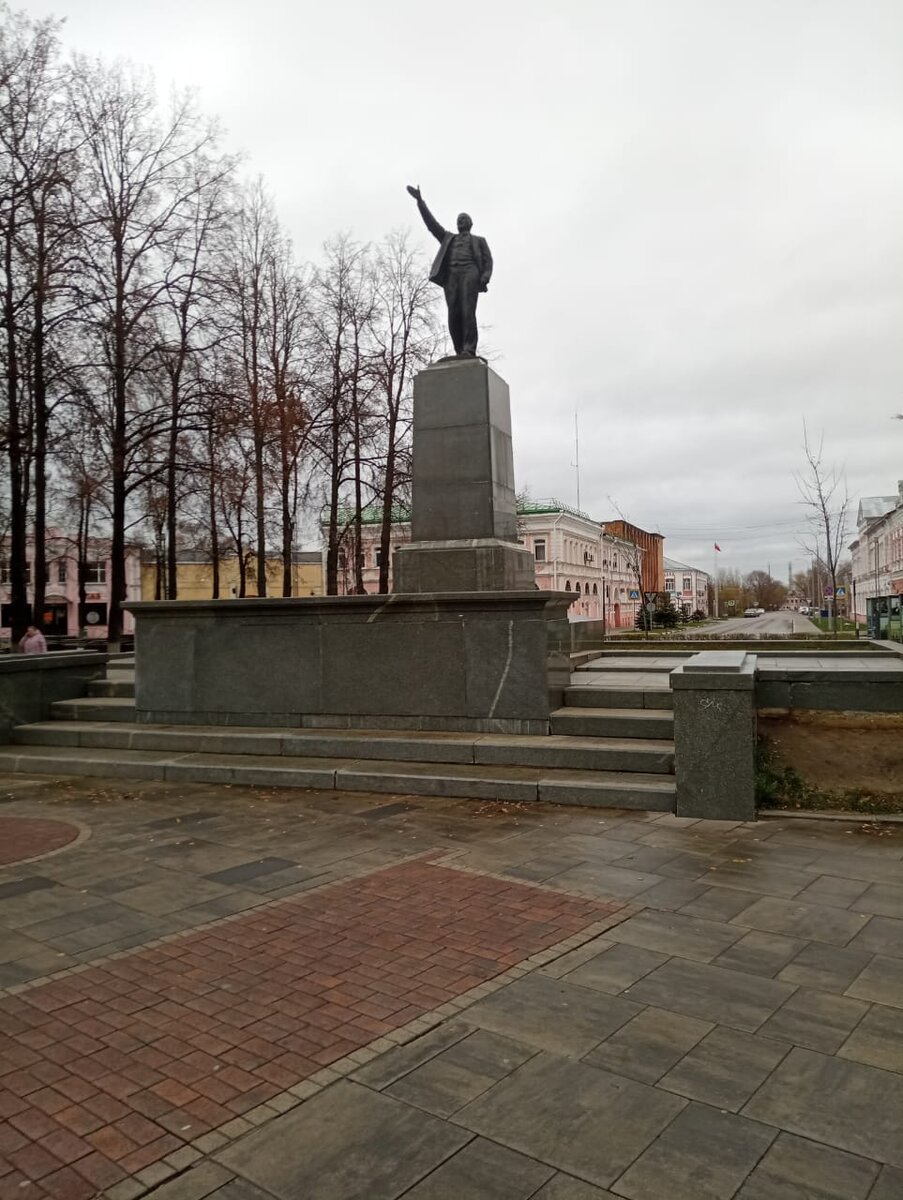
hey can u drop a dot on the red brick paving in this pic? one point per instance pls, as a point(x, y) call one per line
point(29, 837)
point(106, 1071)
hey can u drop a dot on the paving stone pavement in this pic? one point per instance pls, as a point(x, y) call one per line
point(258, 994)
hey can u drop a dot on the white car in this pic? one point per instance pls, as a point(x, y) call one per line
point(753, 612)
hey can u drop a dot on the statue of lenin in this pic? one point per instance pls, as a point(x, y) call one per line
point(462, 268)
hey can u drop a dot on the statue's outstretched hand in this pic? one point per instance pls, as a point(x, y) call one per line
point(414, 191)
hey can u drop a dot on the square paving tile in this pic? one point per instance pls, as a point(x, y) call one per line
point(725, 1068)
point(816, 1020)
point(250, 870)
point(582, 1120)
point(796, 1169)
point(845, 1104)
point(877, 1040)
point(760, 953)
point(811, 922)
point(759, 875)
point(882, 935)
point(829, 889)
point(397, 1063)
point(552, 1014)
point(889, 1185)
point(604, 881)
point(884, 899)
point(347, 1143)
point(712, 993)
point(566, 1187)
point(676, 933)
point(831, 968)
point(717, 904)
point(483, 1169)
point(646, 1047)
point(617, 968)
point(881, 981)
point(461, 1073)
point(704, 1154)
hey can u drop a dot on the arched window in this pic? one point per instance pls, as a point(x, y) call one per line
point(577, 588)
point(567, 586)
point(595, 590)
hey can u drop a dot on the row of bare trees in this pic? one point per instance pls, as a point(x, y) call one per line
point(169, 370)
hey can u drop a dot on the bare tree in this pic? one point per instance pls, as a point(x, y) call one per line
point(824, 494)
point(406, 334)
point(139, 190)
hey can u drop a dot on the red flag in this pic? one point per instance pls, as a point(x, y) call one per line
point(717, 547)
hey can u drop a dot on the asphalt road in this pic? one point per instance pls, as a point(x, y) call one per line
point(771, 623)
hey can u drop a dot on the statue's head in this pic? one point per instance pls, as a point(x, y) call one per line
point(464, 223)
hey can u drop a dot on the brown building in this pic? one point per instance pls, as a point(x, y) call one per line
point(653, 545)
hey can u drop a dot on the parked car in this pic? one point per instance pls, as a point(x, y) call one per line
point(753, 612)
point(803, 610)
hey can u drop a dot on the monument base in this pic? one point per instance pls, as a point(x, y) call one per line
point(487, 661)
point(465, 565)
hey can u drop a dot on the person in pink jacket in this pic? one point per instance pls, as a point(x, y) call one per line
point(33, 642)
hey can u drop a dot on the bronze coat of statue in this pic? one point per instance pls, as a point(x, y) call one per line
point(462, 268)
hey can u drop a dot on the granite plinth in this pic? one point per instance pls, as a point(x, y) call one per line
point(463, 462)
point(715, 737)
point(481, 661)
point(475, 565)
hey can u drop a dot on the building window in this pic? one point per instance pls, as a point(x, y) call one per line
point(595, 590)
point(377, 558)
point(539, 549)
point(577, 589)
point(669, 583)
point(688, 583)
point(6, 573)
point(567, 586)
point(61, 570)
point(95, 572)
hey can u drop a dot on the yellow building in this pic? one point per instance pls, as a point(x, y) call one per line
point(195, 576)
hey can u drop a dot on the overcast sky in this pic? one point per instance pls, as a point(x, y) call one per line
point(695, 209)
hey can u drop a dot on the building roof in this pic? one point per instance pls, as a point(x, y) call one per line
point(873, 507)
point(530, 507)
point(671, 564)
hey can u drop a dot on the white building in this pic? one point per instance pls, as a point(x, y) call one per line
point(877, 557)
point(687, 586)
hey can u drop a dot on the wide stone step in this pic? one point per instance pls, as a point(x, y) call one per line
point(608, 695)
point(613, 722)
point(572, 753)
point(608, 789)
point(662, 664)
point(116, 685)
point(94, 708)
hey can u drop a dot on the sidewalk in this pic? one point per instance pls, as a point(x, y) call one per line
point(256, 994)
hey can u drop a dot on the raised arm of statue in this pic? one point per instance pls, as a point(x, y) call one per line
point(428, 219)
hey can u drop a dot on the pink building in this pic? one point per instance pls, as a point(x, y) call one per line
point(61, 616)
point(571, 553)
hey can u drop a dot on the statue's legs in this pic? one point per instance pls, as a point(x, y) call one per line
point(462, 289)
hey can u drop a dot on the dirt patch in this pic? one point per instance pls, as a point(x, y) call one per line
point(831, 760)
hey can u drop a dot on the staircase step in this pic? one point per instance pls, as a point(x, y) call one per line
point(660, 665)
point(613, 722)
point(480, 782)
point(609, 695)
point(556, 752)
point(94, 708)
point(118, 685)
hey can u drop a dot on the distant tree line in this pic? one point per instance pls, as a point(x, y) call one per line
point(170, 372)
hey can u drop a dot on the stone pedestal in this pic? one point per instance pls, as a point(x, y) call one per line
point(478, 662)
point(715, 735)
point(464, 519)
